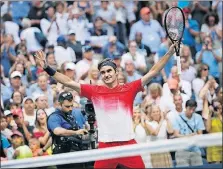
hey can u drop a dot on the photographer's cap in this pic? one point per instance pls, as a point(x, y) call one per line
point(65, 96)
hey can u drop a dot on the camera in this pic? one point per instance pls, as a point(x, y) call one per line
point(89, 109)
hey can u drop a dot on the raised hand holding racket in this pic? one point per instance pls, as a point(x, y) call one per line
point(174, 23)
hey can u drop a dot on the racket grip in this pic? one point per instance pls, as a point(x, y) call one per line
point(178, 65)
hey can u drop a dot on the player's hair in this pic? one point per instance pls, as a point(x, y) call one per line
point(107, 62)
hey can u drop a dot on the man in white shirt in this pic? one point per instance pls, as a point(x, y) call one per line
point(28, 34)
point(29, 112)
point(84, 65)
point(62, 52)
point(166, 101)
point(173, 114)
point(138, 59)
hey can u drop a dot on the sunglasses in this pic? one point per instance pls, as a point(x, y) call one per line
point(205, 69)
point(66, 94)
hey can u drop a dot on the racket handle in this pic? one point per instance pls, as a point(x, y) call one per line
point(178, 65)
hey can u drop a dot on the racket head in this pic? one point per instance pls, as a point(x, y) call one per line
point(174, 23)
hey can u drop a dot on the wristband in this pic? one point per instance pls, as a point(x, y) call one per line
point(49, 71)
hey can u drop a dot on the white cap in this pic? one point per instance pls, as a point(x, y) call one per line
point(15, 74)
point(71, 32)
point(7, 112)
point(37, 95)
point(27, 98)
point(70, 65)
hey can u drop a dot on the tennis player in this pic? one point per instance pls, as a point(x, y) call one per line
point(113, 104)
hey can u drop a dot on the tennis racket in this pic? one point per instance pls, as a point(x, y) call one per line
point(174, 23)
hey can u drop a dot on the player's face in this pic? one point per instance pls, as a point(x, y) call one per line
point(108, 74)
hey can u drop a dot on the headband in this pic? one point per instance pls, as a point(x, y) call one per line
point(107, 62)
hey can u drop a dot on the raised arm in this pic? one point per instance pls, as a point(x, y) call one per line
point(66, 81)
point(158, 66)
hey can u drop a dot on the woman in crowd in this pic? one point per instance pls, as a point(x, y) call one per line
point(40, 131)
point(186, 54)
point(158, 128)
point(154, 93)
point(214, 125)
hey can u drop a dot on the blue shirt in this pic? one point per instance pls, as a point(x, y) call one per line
point(19, 10)
point(210, 60)
point(6, 61)
point(152, 32)
point(80, 118)
point(6, 92)
point(195, 122)
point(188, 38)
point(5, 142)
point(170, 63)
point(55, 120)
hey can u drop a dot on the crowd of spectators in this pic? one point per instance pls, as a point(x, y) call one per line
point(76, 36)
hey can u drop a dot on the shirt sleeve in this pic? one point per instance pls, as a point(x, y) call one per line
point(137, 86)
point(54, 122)
point(86, 91)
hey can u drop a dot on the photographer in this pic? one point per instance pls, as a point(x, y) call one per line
point(62, 125)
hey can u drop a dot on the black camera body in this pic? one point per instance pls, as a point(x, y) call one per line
point(89, 110)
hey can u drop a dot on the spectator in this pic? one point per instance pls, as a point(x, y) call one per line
point(93, 75)
point(121, 18)
point(210, 56)
point(21, 150)
point(8, 54)
point(187, 55)
point(15, 81)
point(4, 130)
point(135, 56)
point(211, 28)
point(98, 36)
point(141, 132)
point(86, 62)
point(107, 14)
point(28, 34)
point(190, 32)
point(112, 47)
point(23, 127)
point(4, 146)
point(75, 45)
point(16, 97)
point(40, 131)
point(50, 58)
point(154, 93)
point(63, 50)
point(158, 9)
point(174, 113)
point(36, 13)
point(188, 72)
point(117, 60)
point(11, 27)
point(185, 86)
point(19, 10)
point(174, 88)
point(24, 68)
point(152, 32)
point(34, 145)
point(122, 79)
point(198, 83)
point(189, 124)
point(213, 125)
point(9, 119)
point(199, 9)
point(50, 27)
point(41, 102)
point(29, 110)
point(144, 49)
point(42, 87)
point(78, 24)
point(217, 6)
point(158, 128)
point(132, 75)
point(62, 17)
